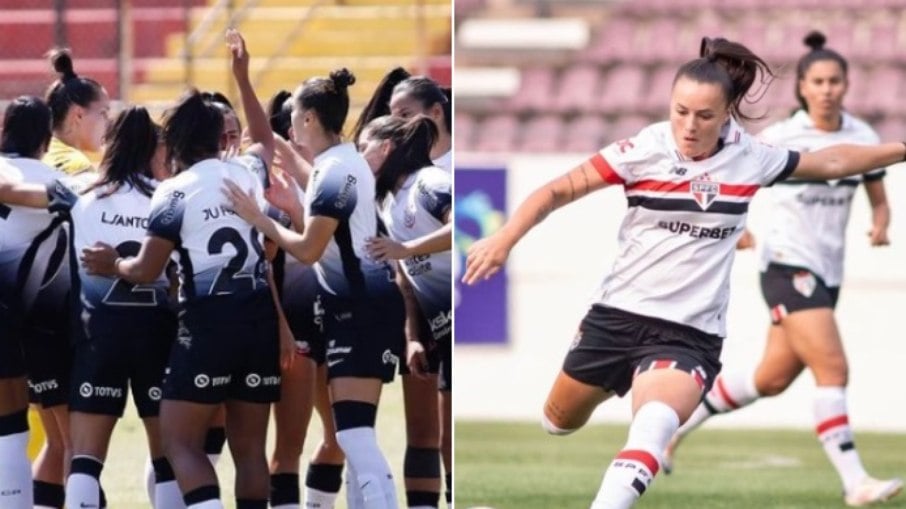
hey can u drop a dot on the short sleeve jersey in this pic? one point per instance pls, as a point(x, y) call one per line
point(65, 158)
point(217, 251)
point(677, 240)
point(34, 245)
point(809, 217)
point(341, 186)
point(115, 217)
point(417, 209)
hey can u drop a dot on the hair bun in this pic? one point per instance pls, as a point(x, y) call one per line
point(61, 61)
point(815, 40)
point(342, 79)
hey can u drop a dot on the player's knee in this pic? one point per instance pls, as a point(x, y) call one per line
point(773, 386)
point(554, 428)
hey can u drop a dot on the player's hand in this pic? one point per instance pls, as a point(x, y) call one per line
point(382, 249)
point(283, 193)
point(100, 259)
point(243, 203)
point(238, 52)
point(746, 240)
point(416, 359)
point(485, 258)
point(877, 236)
point(287, 346)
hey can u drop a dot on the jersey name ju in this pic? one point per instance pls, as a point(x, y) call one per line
point(677, 240)
point(418, 209)
point(809, 218)
point(217, 251)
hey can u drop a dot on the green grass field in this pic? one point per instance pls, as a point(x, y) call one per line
point(123, 477)
point(519, 466)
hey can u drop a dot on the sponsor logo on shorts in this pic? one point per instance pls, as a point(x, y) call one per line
point(334, 362)
point(253, 380)
point(46, 385)
point(442, 320)
point(332, 349)
point(302, 348)
point(154, 393)
point(388, 358)
point(805, 283)
point(202, 381)
point(86, 390)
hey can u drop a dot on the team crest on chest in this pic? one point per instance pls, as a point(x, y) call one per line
point(704, 191)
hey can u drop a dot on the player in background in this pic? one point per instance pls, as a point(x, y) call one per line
point(801, 274)
point(361, 325)
point(227, 349)
point(422, 95)
point(304, 385)
point(128, 329)
point(658, 320)
point(80, 109)
point(415, 202)
point(23, 141)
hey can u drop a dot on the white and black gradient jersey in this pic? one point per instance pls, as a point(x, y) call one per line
point(418, 209)
point(341, 186)
point(217, 251)
point(34, 248)
point(118, 217)
point(809, 217)
point(445, 161)
point(677, 241)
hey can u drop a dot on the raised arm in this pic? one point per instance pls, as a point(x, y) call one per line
point(839, 161)
point(258, 126)
point(486, 256)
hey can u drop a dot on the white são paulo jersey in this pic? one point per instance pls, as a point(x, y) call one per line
point(116, 217)
point(445, 161)
point(418, 209)
point(809, 217)
point(217, 251)
point(677, 240)
point(342, 187)
point(34, 246)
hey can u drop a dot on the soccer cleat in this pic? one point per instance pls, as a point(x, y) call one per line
point(871, 491)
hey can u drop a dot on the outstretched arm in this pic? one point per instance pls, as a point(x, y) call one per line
point(258, 126)
point(839, 161)
point(486, 256)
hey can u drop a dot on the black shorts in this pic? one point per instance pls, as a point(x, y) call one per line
point(12, 359)
point(612, 346)
point(227, 348)
point(438, 353)
point(445, 369)
point(364, 336)
point(131, 348)
point(787, 289)
point(48, 361)
point(304, 311)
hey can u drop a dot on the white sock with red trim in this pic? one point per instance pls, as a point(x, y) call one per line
point(836, 436)
point(730, 391)
point(634, 468)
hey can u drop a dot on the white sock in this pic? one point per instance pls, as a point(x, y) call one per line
point(150, 480)
point(634, 468)
point(836, 436)
point(16, 491)
point(371, 469)
point(354, 497)
point(83, 487)
point(207, 504)
point(730, 391)
point(285, 506)
point(168, 496)
point(317, 499)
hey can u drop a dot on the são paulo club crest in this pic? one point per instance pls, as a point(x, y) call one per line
point(704, 191)
point(805, 283)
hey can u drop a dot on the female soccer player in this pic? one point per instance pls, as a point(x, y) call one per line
point(227, 348)
point(361, 326)
point(659, 318)
point(80, 107)
point(28, 237)
point(128, 329)
point(421, 95)
point(414, 200)
point(802, 271)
